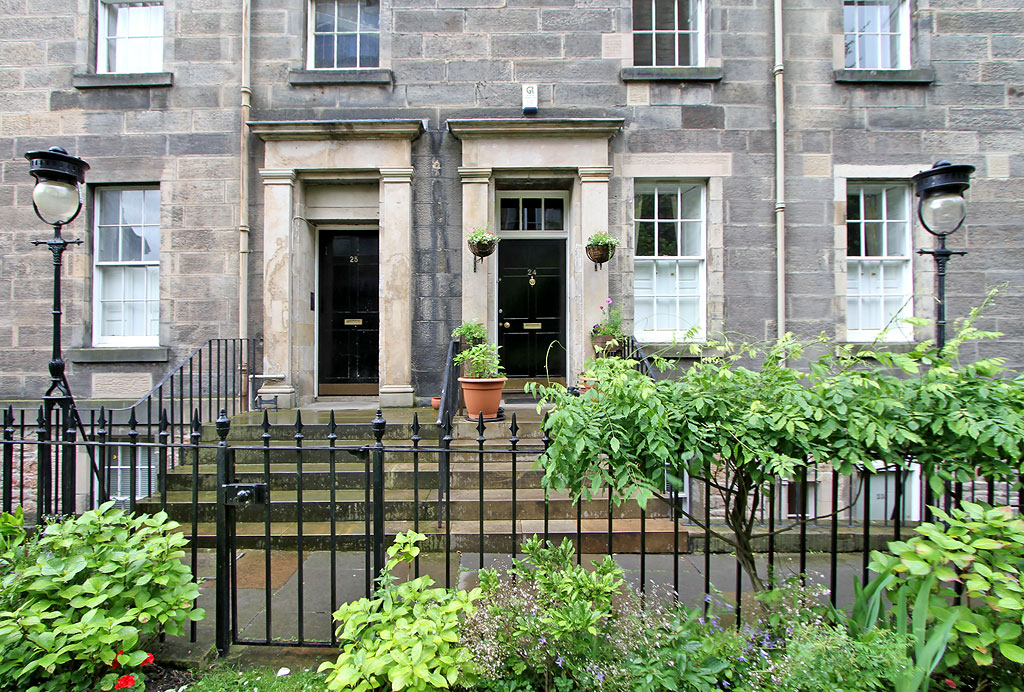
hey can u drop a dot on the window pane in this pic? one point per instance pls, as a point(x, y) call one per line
point(131, 244)
point(369, 49)
point(532, 214)
point(110, 207)
point(131, 206)
point(643, 207)
point(665, 278)
point(853, 248)
point(348, 15)
point(691, 245)
point(553, 215)
point(687, 50)
point(509, 215)
point(666, 314)
point(643, 277)
point(853, 313)
point(665, 49)
point(645, 238)
point(692, 200)
point(151, 210)
point(347, 45)
point(667, 206)
point(668, 241)
point(872, 204)
point(323, 51)
point(643, 55)
point(108, 244)
point(370, 15)
point(868, 49)
point(150, 243)
point(896, 203)
point(896, 239)
point(111, 282)
point(324, 15)
point(642, 15)
point(689, 313)
point(873, 239)
point(643, 313)
point(665, 14)
point(686, 15)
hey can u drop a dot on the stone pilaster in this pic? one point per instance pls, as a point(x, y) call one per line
point(278, 201)
point(475, 214)
point(589, 287)
point(396, 287)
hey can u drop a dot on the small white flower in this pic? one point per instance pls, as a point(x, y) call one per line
point(284, 671)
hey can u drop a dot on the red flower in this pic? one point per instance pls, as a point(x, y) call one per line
point(149, 659)
point(115, 665)
point(949, 683)
point(124, 681)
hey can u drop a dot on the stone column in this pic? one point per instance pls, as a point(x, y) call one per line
point(590, 285)
point(395, 365)
point(476, 196)
point(278, 211)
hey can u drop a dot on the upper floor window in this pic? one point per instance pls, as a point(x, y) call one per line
point(877, 34)
point(669, 223)
point(668, 33)
point(531, 212)
point(126, 278)
point(878, 261)
point(130, 37)
point(344, 33)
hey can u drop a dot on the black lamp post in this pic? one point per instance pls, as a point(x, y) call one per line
point(57, 200)
point(942, 211)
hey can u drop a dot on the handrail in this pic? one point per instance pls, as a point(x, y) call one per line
point(449, 385)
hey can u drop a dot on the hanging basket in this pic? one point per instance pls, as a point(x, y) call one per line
point(599, 254)
point(482, 249)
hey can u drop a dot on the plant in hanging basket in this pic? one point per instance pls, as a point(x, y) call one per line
point(607, 336)
point(601, 247)
point(482, 241)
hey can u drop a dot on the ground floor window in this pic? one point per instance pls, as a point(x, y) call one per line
point(119, 474)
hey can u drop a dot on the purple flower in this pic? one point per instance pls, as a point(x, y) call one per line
point(600, 677)
point(559, 661)
point(708, 598)
point(542, 641)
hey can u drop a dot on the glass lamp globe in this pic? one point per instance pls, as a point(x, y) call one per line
point(56, 200)
point(943, 213)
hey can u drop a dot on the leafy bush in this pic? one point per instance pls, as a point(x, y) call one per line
point(406, 636)
point(981, 549)
point(80, 598)
point(473, 332)
point(482, 361)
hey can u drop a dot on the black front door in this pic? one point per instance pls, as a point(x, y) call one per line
point(349, 316)
point(531, 308)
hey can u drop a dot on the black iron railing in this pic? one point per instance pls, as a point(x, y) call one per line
point(336, 504)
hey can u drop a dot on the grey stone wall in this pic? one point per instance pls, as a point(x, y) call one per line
point(468, 58)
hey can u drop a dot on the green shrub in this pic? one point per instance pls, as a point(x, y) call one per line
point(80, 598)
point(473, 332)
point(980, 548)
point(406, 637)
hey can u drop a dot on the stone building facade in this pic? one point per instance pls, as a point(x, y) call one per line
point(752, 157)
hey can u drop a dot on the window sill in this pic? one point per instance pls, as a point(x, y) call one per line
point(93, 80)
point(670, 349)
point(120, 354)
point(354, 76)
point(860, 347)
point(923, 75)
point(671, 74)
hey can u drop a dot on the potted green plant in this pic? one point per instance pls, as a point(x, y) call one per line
point(482, 241)
point(470, 333)
point(607, 335)
point(601, 247)
point(483, 383)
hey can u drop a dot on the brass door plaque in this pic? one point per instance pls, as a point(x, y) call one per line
point(531, 325)
point(353, 323)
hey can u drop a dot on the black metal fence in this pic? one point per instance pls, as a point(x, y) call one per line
point(325, 498)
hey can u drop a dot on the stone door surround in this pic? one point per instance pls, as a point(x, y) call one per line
point(380, 149)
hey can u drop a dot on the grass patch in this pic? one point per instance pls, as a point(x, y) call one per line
point(224, 679)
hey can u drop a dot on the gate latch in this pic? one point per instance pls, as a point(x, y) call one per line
point(243, 494)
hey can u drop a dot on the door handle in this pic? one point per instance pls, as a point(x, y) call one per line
point(507, 325)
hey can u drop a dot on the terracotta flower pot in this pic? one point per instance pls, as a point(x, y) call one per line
point(435, 402)
point(482, 249)
point(599, 254)
point(482, 396)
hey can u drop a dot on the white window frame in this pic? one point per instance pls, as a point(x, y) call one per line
point(851, 36)
point(117, 473)
point(155, 41)
point(697, 34)
point(894, 328)
point(100, 338)
point(649, 335)
point(311, 35)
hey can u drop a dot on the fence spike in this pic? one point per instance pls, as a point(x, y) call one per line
point(9, 416)
point(514, 428)
point(265, 426)
point(379, 426)
point(223, 425)
point(41, 419)
point(416, 424)
point(332, 427)
point(298, 423)
point(480, 427)
point(133, 422)
point(196, 426)
point(163, 421)
point(102, 422)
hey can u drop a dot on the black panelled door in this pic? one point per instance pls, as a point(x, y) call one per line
point(531, 307)
point(349, 317)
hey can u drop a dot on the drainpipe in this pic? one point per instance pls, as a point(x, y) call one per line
point(780, 173)
point(243, 177)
